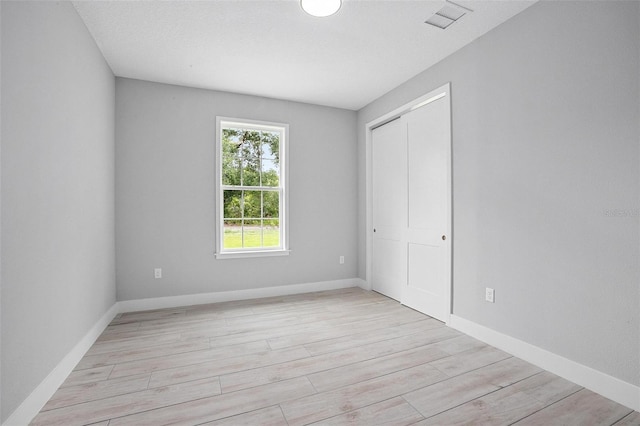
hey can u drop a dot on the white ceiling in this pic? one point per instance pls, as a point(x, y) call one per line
point(272, 48)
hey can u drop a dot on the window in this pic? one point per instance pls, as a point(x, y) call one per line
point(251, 188)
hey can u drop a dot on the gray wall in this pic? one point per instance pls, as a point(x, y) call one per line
point(545, 112)
point(0, 216)
point(165, 189)
point(57, 191)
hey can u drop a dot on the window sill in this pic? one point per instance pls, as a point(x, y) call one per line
point(245, 254)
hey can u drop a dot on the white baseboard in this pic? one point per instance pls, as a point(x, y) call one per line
point(31, 406)
point(615, 389)
point(365, 285)
point(226, 296)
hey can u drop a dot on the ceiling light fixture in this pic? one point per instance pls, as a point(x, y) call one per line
point(320, 8)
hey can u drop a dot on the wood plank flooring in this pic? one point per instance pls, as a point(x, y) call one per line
point(332, 358)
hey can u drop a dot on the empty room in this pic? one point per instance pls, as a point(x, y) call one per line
point(293, 212)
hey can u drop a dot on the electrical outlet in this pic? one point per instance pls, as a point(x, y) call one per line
point(157, 272)
point(489, 295)
point(341, 260)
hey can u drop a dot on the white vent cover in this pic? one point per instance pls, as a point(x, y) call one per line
point(446, 16)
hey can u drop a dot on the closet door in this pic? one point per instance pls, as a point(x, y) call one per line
point(428, 233)
point(389, 157)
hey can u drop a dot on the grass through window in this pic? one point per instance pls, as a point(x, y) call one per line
point(233, 236)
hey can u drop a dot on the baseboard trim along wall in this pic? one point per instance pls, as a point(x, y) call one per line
point(226, 296)
point(615, 389)
point(31, 406)
point(607, 386)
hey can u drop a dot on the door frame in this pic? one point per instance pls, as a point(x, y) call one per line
point(440, 92)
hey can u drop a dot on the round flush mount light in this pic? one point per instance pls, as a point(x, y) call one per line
point(320, 8)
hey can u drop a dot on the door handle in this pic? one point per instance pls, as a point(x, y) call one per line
point(374, 229)
point(444, 237)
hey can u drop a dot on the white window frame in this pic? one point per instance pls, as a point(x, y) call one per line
point(283, 250)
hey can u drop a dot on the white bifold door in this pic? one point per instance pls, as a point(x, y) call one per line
point(411, 190)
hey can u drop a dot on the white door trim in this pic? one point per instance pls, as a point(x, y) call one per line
point(391, 115)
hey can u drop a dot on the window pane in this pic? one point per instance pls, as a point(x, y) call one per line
point(271, 145)
point(252, 232)
point(230, 157)
point(233, 136)
point(271, 233)
point(271, 204)
point(251, 143)
point(232, 204)
point(252, 204)
point(251, 171)
point(232, 234)
point(270, 172)
point(230, 170)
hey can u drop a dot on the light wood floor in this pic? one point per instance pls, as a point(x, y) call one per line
point(336, 357)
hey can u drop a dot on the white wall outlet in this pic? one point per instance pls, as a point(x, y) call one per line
point(489, 295)
point(341, 260)
point(157, 272)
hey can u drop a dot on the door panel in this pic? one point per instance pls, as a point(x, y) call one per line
point(424, 281)
point(388, 269)
point(428, 166)
point(389, 210)
point(428, 286)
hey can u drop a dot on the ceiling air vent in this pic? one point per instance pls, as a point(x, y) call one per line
point(446, 16)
